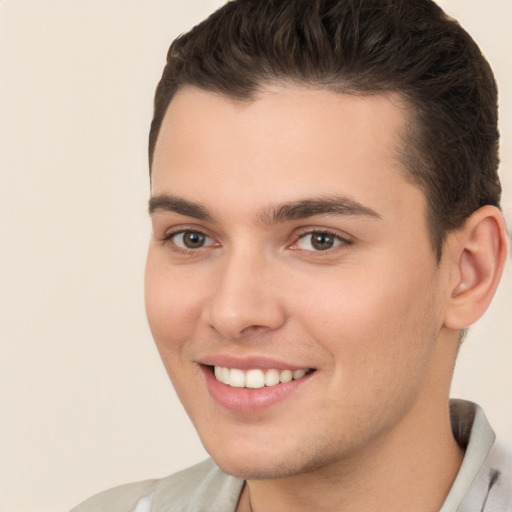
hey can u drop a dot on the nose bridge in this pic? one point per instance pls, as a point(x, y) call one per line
point(245, 298)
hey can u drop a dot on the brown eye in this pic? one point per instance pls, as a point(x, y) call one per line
point(319, 241)
point(191, 240)
point(322, 241)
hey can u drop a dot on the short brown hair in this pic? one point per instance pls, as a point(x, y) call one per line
point(410, 47)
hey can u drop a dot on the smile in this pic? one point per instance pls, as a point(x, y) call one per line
point(256, 378)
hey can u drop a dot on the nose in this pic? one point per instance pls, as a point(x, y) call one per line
point(245, 300)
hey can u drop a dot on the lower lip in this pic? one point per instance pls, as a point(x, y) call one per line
point(247, 401)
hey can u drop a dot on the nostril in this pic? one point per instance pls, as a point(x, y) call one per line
point(253, 328)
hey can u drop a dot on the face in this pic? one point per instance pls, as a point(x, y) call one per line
point(291, 287)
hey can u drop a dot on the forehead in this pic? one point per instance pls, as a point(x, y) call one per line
point(286, 109)
point(287, 142)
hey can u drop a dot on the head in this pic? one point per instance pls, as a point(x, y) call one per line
point(323, 202)
point(407, 47)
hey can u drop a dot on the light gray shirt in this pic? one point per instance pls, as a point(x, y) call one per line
point(483, 484)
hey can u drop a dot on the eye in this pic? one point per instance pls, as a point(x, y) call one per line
point(319, 241)
point(188, 239)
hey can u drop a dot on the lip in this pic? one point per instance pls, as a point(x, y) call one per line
point(249, 363)
point(251, 401)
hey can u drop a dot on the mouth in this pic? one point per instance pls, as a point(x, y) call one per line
point(256, 378)
point(253, 385)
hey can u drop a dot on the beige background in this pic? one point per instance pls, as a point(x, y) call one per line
point(85, 403)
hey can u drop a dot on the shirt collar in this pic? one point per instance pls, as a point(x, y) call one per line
point(474, 434)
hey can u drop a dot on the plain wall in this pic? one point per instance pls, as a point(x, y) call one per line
point(85, 402)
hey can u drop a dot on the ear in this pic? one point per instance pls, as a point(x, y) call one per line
point(477, 254)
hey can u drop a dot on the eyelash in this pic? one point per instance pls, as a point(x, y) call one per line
point(169, 238)
point(340, 241)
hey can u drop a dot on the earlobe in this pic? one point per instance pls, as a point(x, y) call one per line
point(478, 254)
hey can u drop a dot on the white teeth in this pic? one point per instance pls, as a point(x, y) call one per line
point(236, 378)
point(255, 378)
point(297, 374)
point(286, 376)
point(271, 377)
point(225, 376)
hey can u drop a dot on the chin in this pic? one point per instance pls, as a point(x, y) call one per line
point(254, 470)
point(244, 463)
point(259, 462)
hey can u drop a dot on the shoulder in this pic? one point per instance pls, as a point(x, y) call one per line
point(119, 499)
point(191, 489)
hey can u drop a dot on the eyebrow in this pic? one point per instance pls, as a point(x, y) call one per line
point(166, 203)
point(284, 212)
point(328, 205)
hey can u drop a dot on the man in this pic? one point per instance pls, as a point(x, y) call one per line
point(326, 225)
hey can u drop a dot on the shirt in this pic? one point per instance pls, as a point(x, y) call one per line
point(483, 483)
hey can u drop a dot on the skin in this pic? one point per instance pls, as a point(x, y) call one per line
point(369, 430)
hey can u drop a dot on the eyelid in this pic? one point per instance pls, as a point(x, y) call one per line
point(344, 238)
point(168, 236)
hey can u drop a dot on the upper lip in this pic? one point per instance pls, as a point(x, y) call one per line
point(250, 362)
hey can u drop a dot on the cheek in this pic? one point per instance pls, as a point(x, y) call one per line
point(370, 321)
point(171, 307)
